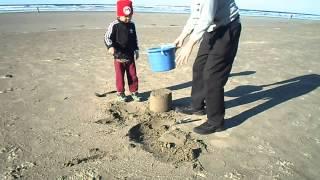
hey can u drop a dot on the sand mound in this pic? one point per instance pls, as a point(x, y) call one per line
point(157, 133)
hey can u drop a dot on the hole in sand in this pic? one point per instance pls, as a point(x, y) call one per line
point(157, 133)
point(166, 143)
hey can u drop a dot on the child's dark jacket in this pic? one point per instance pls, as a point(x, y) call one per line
point(123, 38)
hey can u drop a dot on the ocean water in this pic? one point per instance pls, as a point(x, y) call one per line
point(157, 9)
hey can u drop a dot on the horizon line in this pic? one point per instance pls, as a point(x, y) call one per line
point(274, 11)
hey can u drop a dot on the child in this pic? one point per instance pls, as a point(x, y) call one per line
point(121, 41)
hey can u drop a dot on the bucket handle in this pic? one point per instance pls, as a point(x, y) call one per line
point(162, 47)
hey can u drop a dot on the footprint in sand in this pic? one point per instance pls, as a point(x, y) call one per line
point(82, 174)
point(307, 155)
point(285, 167)
point(6, 76)
point(220, 143)
point(94, 155)
point(6, 90)
point(235, 175)
point(104, 94)
point(52, 29)
point(221, 140)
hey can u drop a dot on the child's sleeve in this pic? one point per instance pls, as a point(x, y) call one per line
point(109, 36)
point(136, 46)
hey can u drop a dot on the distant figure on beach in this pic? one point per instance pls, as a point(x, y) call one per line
point(121, 41)
point(217, 23)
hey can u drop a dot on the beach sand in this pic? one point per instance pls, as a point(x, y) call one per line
point(53, 126)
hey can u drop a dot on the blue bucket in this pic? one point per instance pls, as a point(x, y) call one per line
point(162, 58)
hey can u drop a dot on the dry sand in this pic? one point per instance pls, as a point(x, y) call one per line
point(54, 127)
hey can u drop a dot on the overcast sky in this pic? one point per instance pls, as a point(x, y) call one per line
point(300, 6)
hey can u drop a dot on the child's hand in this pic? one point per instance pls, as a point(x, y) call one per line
point(111, 50)
point(137, 54)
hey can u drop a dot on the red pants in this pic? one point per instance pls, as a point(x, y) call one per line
point(130, 69)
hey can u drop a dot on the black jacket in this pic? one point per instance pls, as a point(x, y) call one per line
point(123, 38)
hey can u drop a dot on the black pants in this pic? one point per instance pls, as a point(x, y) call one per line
point(211, 70)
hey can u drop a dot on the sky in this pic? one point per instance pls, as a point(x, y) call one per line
point(299, 6)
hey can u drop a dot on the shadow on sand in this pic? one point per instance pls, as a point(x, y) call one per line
point(284, 91)
point(280, 93)
point(187, 100)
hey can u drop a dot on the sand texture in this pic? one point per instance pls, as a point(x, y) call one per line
point(59, 118)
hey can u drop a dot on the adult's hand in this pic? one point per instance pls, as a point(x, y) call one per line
point(179, 41)
point(184, 54)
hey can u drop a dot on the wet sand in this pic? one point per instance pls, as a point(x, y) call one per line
point(52, 125)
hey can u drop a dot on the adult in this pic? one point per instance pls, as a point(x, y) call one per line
point(217, 24)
